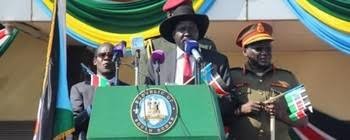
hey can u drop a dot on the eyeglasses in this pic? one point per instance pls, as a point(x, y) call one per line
point(103, 55)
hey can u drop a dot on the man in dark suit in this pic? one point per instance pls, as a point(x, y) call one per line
point(185, 25)
point(82, 93)
point(158, 42)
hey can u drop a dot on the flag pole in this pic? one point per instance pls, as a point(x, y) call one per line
point(272, 116)
point(272, 127)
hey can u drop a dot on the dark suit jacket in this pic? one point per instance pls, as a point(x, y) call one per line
point(81, 97)
point(160, 43)
point(219, 64)
point(168, 68)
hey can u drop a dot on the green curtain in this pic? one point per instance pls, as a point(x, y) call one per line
point(116, 16)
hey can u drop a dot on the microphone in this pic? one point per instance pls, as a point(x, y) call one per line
point(191, 47)
point(158, 58)
point(118, 50)
point(86, 69)
point(137, 46)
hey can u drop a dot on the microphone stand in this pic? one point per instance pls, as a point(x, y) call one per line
point(197, 73)
point(137, 63)
point(157, 73)
point(117, 64)
point(197, 69)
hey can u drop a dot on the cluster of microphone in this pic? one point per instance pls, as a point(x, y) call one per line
point(119, 50)
point(191, 47)
point(157, 57)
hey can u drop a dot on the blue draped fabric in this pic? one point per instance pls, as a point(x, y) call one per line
point(334, 38)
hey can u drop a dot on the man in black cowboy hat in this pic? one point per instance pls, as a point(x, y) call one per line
point(183, 25)
point(176, 29)
point(159, 42)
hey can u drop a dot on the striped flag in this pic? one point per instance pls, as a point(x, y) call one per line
point(6, 39)
point(98, 81)
point(309, 132)
point(55, 116)
point(95, 80)
point(206, 75)
point(298, 102)
point(214, 80)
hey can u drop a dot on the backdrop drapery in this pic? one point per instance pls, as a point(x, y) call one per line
point(98, 21)
point(328, 20)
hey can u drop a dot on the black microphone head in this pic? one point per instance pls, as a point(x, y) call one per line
point(158, 56)
point(123, 43)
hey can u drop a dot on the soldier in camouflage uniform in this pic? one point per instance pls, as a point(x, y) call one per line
point(256, 82)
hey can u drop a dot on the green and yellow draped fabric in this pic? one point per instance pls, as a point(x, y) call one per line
point(330, 21)
point(327, 19)
point(96, 21)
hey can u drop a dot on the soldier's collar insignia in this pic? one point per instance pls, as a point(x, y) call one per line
point(280, 83)
point(243, 84)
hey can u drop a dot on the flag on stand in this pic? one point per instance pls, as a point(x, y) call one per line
point(55, 116)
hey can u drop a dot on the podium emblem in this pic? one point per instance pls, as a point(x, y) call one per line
point(154, 111)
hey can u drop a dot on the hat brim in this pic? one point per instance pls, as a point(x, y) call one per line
point(256, 38)
point(168, 26)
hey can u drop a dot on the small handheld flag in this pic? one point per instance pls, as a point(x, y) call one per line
point(298, 102)
point(98, 81)
point(95, 80)
point(214, 80)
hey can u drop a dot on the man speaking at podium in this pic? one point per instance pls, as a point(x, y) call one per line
point(181, 27)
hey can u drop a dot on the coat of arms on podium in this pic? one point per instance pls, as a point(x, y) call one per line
point(154, 111)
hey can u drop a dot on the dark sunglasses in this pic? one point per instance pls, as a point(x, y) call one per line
point(103, 55)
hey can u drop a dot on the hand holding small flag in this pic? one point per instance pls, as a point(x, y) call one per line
point(298, 102)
